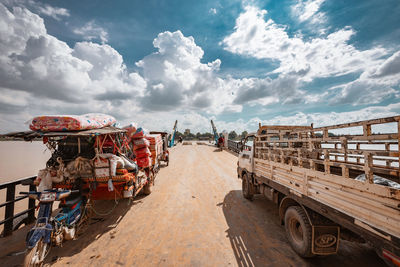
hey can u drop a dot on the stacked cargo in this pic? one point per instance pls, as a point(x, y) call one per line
point(156, 146)
point(141, 148)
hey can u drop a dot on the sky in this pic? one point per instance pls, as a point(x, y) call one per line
point(239, 63)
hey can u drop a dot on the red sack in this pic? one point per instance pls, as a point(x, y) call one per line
point(131, 129)
point(142, 153)
point(140, 143)
point(143, 162)
point(140, 132)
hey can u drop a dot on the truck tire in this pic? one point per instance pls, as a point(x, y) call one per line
point(298, 231)
point(247, 187)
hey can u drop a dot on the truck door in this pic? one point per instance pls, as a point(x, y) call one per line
point(246, 154)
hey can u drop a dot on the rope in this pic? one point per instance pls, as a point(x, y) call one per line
point(110, 211)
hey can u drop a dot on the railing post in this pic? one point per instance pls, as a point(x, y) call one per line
point(31, 206)
point(8, 225)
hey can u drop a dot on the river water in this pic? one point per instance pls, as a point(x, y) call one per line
point(19, 159)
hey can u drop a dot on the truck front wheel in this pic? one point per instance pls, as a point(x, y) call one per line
point(246, 187)
point(298, 231)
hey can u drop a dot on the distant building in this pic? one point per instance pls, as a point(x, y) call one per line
point(187, 131)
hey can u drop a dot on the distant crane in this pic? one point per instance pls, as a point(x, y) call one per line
point(172, 141)
point(216, 136)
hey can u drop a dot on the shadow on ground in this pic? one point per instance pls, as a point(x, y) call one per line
point(99, 225)
point(258, 239)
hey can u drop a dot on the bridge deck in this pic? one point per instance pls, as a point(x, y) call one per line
point(196, 216)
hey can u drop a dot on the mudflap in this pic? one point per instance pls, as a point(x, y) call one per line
point(36, 233)
point(325, 239)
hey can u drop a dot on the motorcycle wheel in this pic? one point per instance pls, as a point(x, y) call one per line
point(35, 256)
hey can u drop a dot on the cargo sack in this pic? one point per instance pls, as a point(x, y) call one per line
point(131, 129)
point(140, 133)
point(115, 162)
point(140, 143)
point(142, 153)
point(144, 162)
point(101, 167)
point(129, 165)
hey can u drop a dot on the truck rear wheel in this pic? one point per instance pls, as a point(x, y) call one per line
point(298, 231)
point(246, 187)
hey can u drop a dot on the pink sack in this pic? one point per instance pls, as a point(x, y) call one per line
point(143, 162)
point(142, 153)
point(71, 122)
point(140, 143)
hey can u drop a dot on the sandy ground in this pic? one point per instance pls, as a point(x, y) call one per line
point(196, 216)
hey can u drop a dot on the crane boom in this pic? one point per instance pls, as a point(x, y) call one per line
point(172, 141)
point(215, 132)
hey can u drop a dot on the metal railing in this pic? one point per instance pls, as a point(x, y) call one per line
point(236, 146)
point(9, 216)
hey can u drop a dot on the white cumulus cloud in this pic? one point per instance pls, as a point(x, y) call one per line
point(92, 32)
point(54, 12)
point(320, 57)
point(308, 10)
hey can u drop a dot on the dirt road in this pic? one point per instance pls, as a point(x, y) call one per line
point(196, 216)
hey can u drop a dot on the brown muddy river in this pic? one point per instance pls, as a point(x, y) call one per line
point(20, 159)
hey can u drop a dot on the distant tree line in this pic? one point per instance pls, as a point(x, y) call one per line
point(206, 136)
point(234, 136)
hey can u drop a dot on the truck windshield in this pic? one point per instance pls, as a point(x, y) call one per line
point(248, 143)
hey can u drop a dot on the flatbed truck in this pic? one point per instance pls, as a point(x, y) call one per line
point(329, 183)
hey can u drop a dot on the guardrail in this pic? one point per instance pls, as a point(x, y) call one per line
point(10, 222)
point(236, 146)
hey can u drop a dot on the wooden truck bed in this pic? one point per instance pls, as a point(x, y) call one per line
point(322, 164)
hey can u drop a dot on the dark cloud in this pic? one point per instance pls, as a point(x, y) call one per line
point(284, 88)
point(7, 108)
point(114, 95)
point(202, 101)
point(162, 98)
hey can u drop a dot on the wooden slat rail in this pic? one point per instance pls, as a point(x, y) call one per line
point(369, 152)
point(10, 215)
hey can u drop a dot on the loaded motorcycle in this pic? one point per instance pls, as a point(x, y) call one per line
point(52, 230)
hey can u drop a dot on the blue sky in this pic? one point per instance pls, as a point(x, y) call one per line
point(237, 62)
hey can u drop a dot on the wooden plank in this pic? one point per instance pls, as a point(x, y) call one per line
point(381, 222)
point(379, 190)
point(359, 200)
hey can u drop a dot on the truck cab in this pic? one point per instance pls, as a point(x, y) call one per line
point(245, 160)
point(246, 165)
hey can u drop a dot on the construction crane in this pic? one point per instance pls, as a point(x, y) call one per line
point(216, 136)
point(172, 141)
